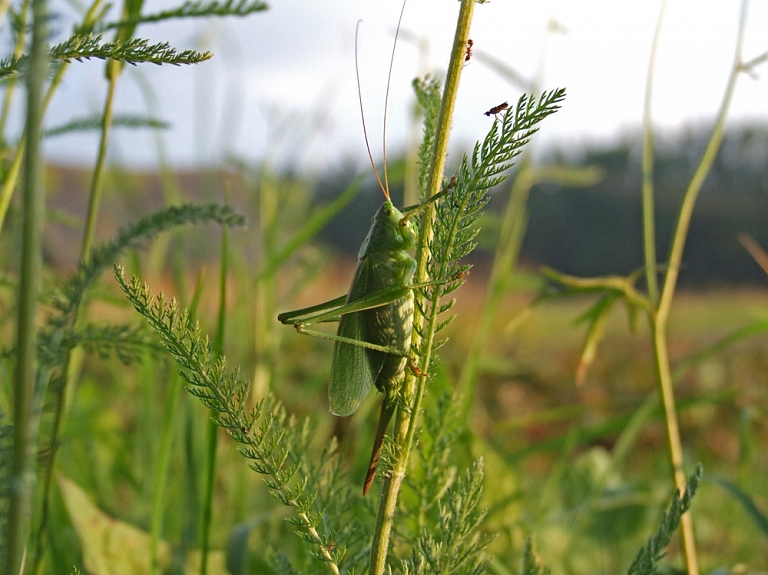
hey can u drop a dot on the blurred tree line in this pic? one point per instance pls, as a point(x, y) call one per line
point(598, 230)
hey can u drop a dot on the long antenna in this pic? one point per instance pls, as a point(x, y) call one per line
point(385, 185)
point(386, 98)
point(362, 116)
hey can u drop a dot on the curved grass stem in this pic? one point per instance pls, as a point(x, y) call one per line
point(660, 314)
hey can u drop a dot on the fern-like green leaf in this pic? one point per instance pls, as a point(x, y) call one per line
point(195, 10)
point(530, 564)
point(428, 96)
point(94, 123)
point(456, 547)
point(275, 444)
point(649, 556)
point(457, 216)
point(86, 46)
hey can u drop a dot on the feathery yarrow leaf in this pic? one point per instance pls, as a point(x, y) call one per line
point(455, 226)
point(86, 46)
point(648, 557)
point(195, 10)
point(530, 564)
point(95, 123)
point(275, 444)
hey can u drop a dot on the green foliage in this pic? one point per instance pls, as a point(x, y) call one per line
point(428, 97)
point(95, 123)
point(649, 556)
point(442, 515)
point(530, 564)
point(747, 502)
point(275, 444)
point(455, 548)
point(431, 470)
point(59, 334)
point(455, 226)
point(6, 457)
point(194, 10)
point(132, 51)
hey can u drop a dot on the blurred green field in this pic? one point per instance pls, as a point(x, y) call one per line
point(546, 441)
point(582, 466)
point(553, 409)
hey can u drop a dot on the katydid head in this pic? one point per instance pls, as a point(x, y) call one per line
point(390, 232)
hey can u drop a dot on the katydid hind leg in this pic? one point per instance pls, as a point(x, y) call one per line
point(388, 406)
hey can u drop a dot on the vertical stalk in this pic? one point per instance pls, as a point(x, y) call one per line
point(661, 313)
point(11, 177)
point(212, 431)
point(405, 426)
point(60, 399)
point(18, 50)
point(649, 222)
point(97, 180)
point(22, 478)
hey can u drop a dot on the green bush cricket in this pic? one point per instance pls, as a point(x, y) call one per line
point(372, 344)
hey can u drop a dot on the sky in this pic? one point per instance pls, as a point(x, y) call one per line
point(281, 86)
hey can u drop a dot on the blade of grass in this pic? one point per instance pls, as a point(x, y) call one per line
point(745, 500)
point(22, 477)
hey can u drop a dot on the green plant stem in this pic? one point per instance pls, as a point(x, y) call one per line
point(264, 288)
point(60, 399)
point(170, 418)
point(98, 171)
point(12, 176)
point(18, 49)
point(649, 221)
point(212, 435)
point(22, 477)
point(660, 316)
point(74, 357)
point(4, 5)
point(165, 451)
point(405, 426)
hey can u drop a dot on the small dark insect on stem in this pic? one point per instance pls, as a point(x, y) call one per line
point(470, 43)
point(497, 109)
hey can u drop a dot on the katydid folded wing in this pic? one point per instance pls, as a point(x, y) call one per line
point(354, 369)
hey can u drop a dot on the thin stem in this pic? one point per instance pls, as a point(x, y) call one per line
point(98, 172)
point(414, 387)
point(12, 176)
point(18, 49)
point(649, 223)
point(22, 477)
point(73, 362)
point(659, 318)
point(686, 210)
point(213, 430)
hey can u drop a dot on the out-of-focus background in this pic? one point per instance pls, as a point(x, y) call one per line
point(272, 125)
point(288, 77)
